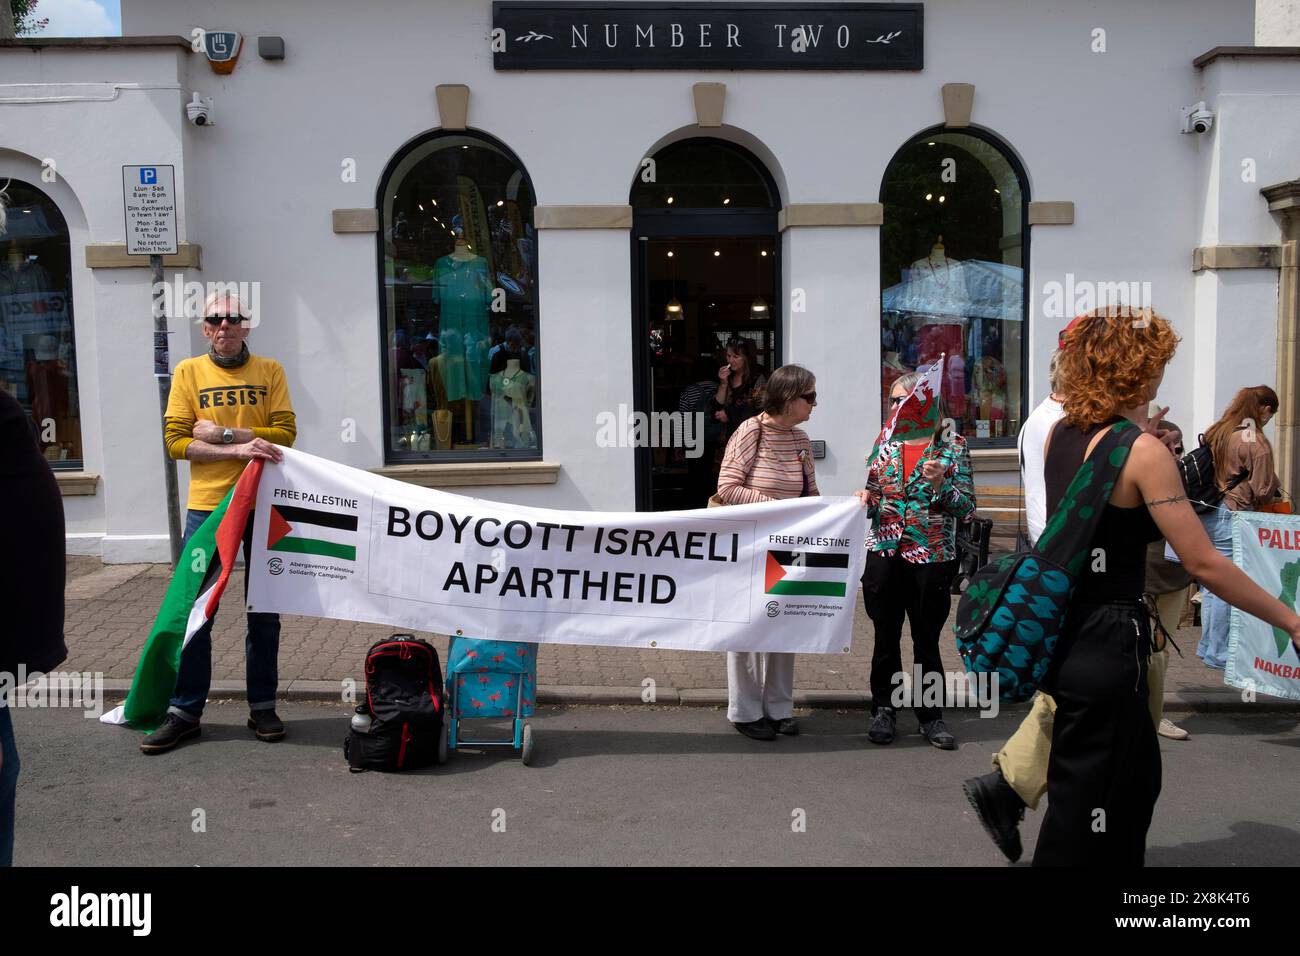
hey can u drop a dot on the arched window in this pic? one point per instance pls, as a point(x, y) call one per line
point(704, 173)
point(458, 268)
point(38, 355)
point(953, 257)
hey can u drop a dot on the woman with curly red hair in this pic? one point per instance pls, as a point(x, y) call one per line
point(1103, 776)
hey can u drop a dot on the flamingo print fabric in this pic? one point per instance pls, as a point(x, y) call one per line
point(487, 677)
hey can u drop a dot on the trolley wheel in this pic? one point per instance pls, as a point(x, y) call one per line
point(526, 753)
point(442, 744)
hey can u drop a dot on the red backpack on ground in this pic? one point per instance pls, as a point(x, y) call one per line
point(405, 702)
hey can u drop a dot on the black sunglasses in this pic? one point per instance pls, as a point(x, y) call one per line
point(218, 319)
point(897, 399)
point(810, 398)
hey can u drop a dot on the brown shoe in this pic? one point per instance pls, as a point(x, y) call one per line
point(173, 731)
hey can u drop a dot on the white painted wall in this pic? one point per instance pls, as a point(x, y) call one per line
point(1100, 129)
point(91, 112)
point(581, 136)
point(831, 339)
point(1255, 142)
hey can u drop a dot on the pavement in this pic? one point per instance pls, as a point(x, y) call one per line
point(110, 609)
point(609, 785)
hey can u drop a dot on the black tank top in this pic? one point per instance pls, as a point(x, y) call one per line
point(1122, 535)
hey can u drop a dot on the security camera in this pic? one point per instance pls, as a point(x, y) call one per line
point(199, 110)
point(1197, 118)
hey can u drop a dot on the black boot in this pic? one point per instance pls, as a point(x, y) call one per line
point(884, 726)
point(757, 729)
point(265, 724)
point(999, 809)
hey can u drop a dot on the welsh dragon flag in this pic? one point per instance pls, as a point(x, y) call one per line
point(918, 414)
point(191, 600)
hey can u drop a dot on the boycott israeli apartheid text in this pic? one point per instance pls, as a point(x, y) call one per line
point(433, 561)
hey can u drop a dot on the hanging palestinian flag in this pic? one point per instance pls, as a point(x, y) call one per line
point(807, 572)
point(329, 534)
point(918, 415)
point(191, 601)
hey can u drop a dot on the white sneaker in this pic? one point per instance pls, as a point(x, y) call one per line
point(1171, 730)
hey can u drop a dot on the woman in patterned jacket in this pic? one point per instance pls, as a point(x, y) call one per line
point(918, 490)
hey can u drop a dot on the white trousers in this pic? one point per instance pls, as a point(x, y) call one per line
point(759, 684)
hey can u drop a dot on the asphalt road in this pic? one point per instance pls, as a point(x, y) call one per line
point(609, 785)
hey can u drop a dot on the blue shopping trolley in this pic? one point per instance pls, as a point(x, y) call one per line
point(492, 680)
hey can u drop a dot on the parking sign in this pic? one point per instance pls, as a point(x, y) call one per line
point(149, 201)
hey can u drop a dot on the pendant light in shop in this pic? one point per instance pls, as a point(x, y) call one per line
point(673, 312)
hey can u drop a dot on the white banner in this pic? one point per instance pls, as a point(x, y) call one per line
point(1261, 657)
point(338, 542)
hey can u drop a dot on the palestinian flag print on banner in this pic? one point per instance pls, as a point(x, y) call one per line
point(196, 587)
point(308, 531)
point(807, 573)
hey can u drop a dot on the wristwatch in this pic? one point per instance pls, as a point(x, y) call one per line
point(227, 436)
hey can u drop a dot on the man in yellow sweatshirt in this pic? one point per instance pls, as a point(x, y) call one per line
point(226, 408)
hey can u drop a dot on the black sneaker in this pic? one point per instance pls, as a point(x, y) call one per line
point(174, 729)
point(757, 729)
point(883, 727)
point(999, 810)
point(265, 724)
point(784, 725)
point(937, 732)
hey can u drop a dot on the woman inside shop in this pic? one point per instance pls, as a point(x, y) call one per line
point(769, 458)
point(1243, 465)
point(918, 489)
point(1105, 761)
point(740, 386)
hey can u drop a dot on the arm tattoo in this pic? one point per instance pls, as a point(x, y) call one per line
point(1166, 501)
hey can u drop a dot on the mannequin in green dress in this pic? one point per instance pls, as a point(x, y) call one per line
point(462, 291)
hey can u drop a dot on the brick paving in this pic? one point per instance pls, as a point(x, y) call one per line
point(110, 609)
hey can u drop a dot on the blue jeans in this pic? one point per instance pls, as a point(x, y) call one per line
point(8, 786)
point(1213, 648)
point(261, 648)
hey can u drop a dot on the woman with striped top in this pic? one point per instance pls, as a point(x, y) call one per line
point(768, 458)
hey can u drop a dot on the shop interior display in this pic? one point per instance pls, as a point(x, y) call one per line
point(951, 278)
point(460, 254)
point(37, 351)
point(513, 393)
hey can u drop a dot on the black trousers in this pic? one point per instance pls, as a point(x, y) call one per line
point(893, 587)
point(1103, 777)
